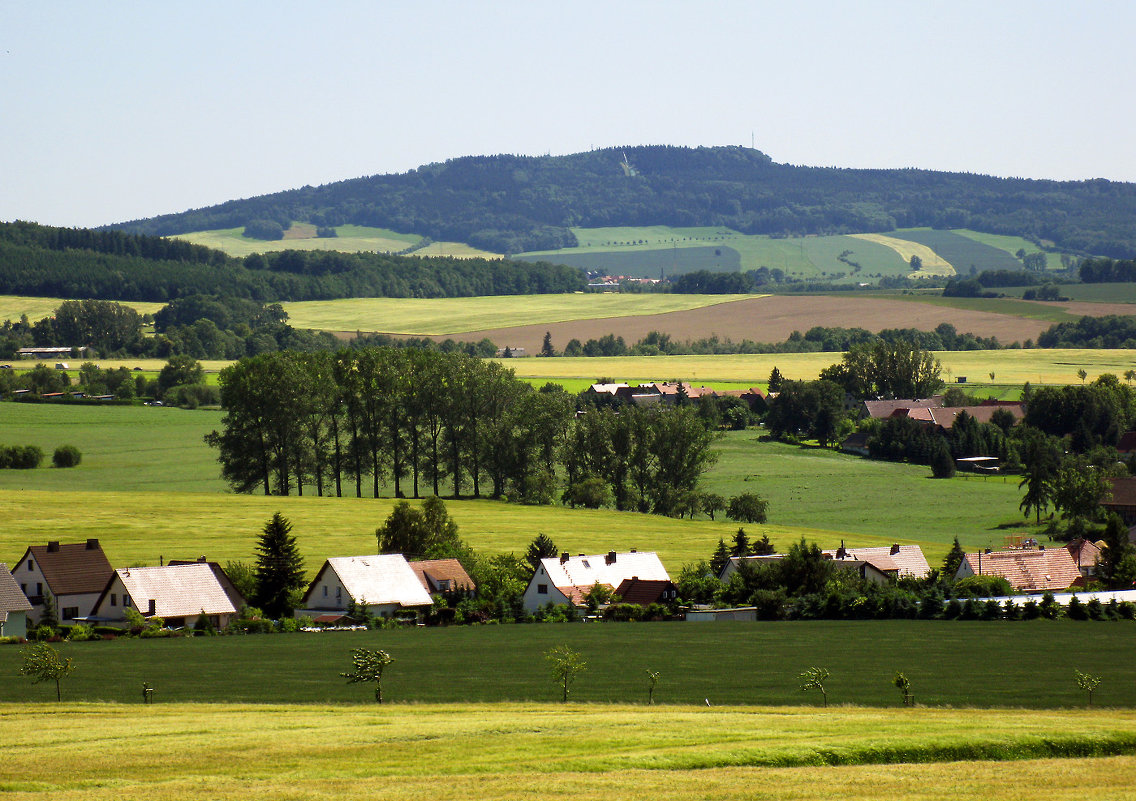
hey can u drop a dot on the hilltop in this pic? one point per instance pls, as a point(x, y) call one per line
point(515, 204)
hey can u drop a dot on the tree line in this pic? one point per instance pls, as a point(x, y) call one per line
point(112, 265)
point(512, 204)
point(432, 422)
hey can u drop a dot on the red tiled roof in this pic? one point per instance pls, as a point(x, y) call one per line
point(431, 572)
point(643, 591)
point(75, 568)
point(1046, 569)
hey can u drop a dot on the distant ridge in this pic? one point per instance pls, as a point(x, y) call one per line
point(511, 204)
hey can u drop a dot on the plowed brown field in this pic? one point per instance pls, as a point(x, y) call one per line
point(769, 319)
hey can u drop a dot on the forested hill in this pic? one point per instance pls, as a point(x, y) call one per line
point(512, 204)
point(40, 260)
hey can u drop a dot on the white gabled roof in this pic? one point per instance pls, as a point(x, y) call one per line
point(177, 590)
point(380, 579)
point(586, 571)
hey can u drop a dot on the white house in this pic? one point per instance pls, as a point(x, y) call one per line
point(383, 583)
point(74, 574)
point(178, 594)
point(14, 606)
point(567, 579)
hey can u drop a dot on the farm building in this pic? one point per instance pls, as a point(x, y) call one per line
point(383, 583)
point(443, 576)
point(73, 573)
point(944, 416)
point(14, 606)
point(178, 594)
point(566, 579)
point(1121, 499)
point(1027, 569)
point(882, 409)
point(644, 592)
point(1086, 554)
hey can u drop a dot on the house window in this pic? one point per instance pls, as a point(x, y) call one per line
point(30, 566)
point(585, 564)
point(338, 593)
point(125, 599)
point(542, 589)
point(70, 612)
point(113, 599)
point(24, 589)
point(324, 590)
point(39, 588)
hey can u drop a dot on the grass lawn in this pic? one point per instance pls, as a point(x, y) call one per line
point(440, 316)
point(949, 663)
point(351, 238)
point(526, 751)
point(876, 502)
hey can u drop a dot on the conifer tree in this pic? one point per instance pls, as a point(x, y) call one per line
point(953, 560)
point(279, 568)
point(720, 557)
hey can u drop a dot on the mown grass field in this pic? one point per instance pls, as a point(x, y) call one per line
point(526, 751)
point(1092, 293)
point(351, 238)
point(963, 252)
point(441, 316)
point(1025, 664)
point(1008, 305)
point(933, 263)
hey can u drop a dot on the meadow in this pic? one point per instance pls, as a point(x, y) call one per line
point(587, 752)
point(12, 306)
point(962, 251)
point(974, 664)
point(933, 263)
point(441, 316)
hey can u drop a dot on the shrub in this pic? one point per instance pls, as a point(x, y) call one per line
point(1030, 610)
point(81, 633)
point(1049, 607)
point(1076, 610)
point(66, 456)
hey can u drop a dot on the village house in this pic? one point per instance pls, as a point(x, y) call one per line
point(1027, 569)
point(178, 594)
point(880, 564)
point(74, 573)
point(14, 606)
point(443, 576)
point(567, 579)
point(1121, 498)
point(222, 578)
point(1086, 554)
point(382, 584)
point(644, 592)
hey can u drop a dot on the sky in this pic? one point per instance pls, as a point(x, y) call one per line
point(111, 111)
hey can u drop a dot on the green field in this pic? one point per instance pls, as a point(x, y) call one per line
point(441, 316)
point(1009, 305)
point(510, 752)
point(1092, 293)
point(1026, 664)
point(351, 238)
point(963, 252)
point(649, 250)
point(1011, 244)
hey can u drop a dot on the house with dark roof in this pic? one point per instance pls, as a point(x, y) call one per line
point(74, 573)
point(1027, 569)
point(178, 594)
point(443, 576)
point(1121, 498)
point(644, 592)
point(1086, 554)
point(14, 606)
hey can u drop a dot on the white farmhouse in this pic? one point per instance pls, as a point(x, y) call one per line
point(566, 579)
point(72, 573)
point(383, 583)
point(178, 594)
point(14, 606)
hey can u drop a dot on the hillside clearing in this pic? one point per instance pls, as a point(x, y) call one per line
point(933, 263)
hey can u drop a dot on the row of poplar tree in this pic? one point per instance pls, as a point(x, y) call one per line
point(413, 422)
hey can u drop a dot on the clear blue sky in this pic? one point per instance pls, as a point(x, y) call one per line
point(112, 111)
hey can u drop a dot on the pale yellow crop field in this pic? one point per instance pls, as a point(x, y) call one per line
point(441, 316)
point(12, 306)
point(401, 752)
point(933, 263)
point(1038, 365)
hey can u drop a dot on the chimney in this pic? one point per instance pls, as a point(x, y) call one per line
point(841, 553)
point(895, 549)
point(161, 560)
point(987, 550)
point(634, 551)
point(152, 609)
point(1041, 547)
point(53, 546)
point(563, 557)
point(610, 558)
point(92, 545)
point(201, 559)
